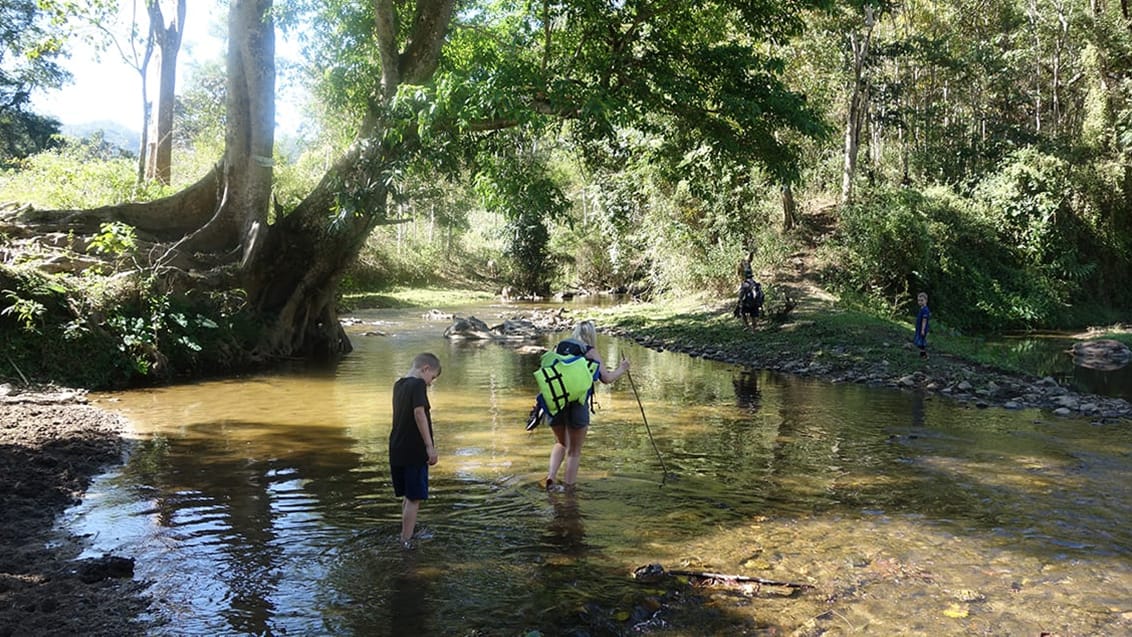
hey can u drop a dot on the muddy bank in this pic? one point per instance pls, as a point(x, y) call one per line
point(52, 443)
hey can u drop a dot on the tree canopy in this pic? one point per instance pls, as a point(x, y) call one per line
point(29, 58)
point(977, 150)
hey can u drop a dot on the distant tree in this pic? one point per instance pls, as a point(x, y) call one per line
point(23, 133)
point(200, 106)
point(30, 46)
point(136, 50)
point(167, 37)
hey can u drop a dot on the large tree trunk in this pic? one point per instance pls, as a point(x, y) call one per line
point(288, 270)
point(292, 273)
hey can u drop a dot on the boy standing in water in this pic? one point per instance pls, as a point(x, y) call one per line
point(412, 448)
point(921, 338)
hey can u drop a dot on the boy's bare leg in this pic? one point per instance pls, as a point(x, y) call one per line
point(409, 510)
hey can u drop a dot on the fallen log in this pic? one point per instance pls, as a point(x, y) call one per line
point(654, 572)
point(723, 577)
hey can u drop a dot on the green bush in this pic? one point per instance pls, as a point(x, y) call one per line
point(886, 245)
point(894, 244)
point(100, 332)
point(78, 175)
point(1028, 203)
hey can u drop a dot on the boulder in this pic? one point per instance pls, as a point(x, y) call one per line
point(1103, 354)
point(469, 328)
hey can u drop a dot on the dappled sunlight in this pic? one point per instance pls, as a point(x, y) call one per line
point(938, 580)
point(907, 516)
point(1036, 475)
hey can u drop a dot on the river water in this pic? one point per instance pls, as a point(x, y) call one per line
point(262, 505)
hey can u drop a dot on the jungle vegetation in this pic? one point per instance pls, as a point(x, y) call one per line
point(980, 151)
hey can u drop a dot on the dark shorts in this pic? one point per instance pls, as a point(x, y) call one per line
point(410, 482)
point(574, 415)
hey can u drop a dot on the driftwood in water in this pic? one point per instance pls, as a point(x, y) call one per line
point(654, 572)
point(722, 577)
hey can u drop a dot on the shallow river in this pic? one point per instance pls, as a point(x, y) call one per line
point(263, 506)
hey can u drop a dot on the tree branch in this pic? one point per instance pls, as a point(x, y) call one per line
point(422, 48)
point(385, 30)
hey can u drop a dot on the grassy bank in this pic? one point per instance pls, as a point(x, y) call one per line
point(817, 330)
point(410, 297)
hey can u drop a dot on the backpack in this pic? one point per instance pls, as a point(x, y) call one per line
point(751, 297)
point(563, 379)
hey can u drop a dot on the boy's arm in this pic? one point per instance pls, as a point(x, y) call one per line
point(422, 426)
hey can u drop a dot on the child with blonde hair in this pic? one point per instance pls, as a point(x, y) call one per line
point(572, 422)
point(920, 340)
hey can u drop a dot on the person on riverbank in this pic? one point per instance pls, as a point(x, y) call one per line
point(749, 302)
point(571, 423)
point(412, 448)
point(920, 340)
point(745, 270)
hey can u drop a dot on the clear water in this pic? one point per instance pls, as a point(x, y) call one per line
point(1050, 354)
point(263, 506)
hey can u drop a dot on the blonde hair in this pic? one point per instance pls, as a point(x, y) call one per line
point(586, 332)
point(426, 359)
point(922, 295)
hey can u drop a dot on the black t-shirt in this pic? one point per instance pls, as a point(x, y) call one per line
point(406, 447)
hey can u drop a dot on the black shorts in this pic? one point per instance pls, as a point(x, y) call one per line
point(574, 415)
point(410, 481)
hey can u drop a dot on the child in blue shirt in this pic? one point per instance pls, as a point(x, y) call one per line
point(921, 338)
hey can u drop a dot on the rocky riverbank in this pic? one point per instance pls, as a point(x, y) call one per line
point(947, 376)
point(52, 443)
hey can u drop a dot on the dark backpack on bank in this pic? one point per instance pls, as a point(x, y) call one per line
point(750, 298)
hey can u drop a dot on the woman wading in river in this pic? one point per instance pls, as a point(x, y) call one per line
point(571, 419)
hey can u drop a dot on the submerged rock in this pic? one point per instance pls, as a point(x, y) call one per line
point(105, 567)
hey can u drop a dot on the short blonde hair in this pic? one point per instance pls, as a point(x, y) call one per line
point(922, 295)
point(586, 332)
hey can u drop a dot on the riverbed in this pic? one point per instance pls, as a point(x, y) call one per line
point(262, 505)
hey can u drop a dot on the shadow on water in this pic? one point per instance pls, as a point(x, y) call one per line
point(269, 499)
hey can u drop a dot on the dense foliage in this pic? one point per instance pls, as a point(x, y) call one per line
point(981, 152)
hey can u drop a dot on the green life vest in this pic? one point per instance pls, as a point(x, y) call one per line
point(564, 379)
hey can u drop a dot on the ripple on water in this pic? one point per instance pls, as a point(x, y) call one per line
point(263, 505)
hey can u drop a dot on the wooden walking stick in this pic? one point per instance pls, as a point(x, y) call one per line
point(663, 468)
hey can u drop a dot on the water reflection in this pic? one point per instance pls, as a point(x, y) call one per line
point(408, 608)
point(1050, 354)
point(268, 498)
point(745, 383)
point(917, 409)
point(566, 530)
